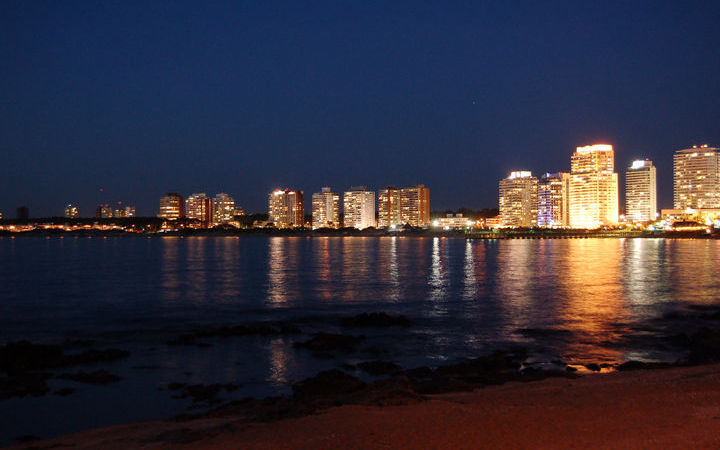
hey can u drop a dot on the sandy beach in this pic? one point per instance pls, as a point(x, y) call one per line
point(666, 408)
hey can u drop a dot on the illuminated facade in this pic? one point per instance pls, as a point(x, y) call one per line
point(415, 205)
point(223, 208)
point(286, 208)
point(641, 191)
point(104, 212)
point(389, 211)
point(453, 222)
point(71, 211)
point(553, 200)
point(593, 187)
point(359, 207)
point(172, 206)
point(696, 176)
point(199, 206)
point(127, 211)
point(325, 209)
point(519, 200)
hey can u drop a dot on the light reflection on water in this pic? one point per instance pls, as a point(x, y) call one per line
point(465, 298)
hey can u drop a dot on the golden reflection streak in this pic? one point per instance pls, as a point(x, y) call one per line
point(197, 272)
point(282, 269)
point(693, 269)
point(321, 253)
point(438, 279)
point(281, 361)
point(516, 269)
point(594, 306)
point(169, 269)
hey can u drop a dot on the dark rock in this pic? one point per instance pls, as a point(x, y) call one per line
point(375, 319)
point(704, 347)
point(570, 369)
point(23, 384)
point(261, 329)
point(594, 367)
point(202, 393)
point(327, 342)
point(64, 392)
point(330, 383)
point(96, 377)
point(379, 367)
point(24, 439)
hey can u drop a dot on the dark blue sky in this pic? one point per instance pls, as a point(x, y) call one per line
point(144, 98)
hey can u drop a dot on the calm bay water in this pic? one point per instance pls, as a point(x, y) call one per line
point(465, 298)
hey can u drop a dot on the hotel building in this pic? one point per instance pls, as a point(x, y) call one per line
point(415, 205)
point(389, 212)
point(453, 222)
point(223, 208)
point(696, 176)
point(640, 191)
point(199, 207)
point(593, 187)
point(325, 209)
point(71, 211)
point(519, 200)
point(359, 207)
point(286, 208)
point(172, 206)
point(127, 211)
point(553, 200)
point(104, 212)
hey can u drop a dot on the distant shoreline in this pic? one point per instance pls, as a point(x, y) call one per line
point(481, 234)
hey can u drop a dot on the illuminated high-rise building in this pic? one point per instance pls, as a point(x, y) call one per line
point(641, 191)
point(593, 187)
point(359, 207)
point(325, 209)
point(124, 211)
point(286, 208)
point(199, 206)
point(696, 176)
point(553, 200)
point(389, 210)
point(519, 199)
point(415, 205)
point(172, 206)
point(71, 211)
point(223, 208)
point(104, 211)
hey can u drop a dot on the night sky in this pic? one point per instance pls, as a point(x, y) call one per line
point(142, 98)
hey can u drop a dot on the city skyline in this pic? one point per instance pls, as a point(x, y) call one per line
point(141, 100)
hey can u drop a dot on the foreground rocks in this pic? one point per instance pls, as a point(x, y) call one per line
point(26, 367)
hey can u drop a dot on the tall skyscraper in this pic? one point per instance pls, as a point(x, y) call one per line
point(172, 206)
point(104, 211)
point(553, 200)
point(71, 211)
point(593, 187)
point(325, 209)
point(697, 178)
point(415, 205)
point(640, 191)
point(199, 206)
point(223, 208)
point(519, 200)
point(359, 207)
point(286, 208)
point(389, 211)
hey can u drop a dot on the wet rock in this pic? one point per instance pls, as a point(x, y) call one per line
point(330, 383)
point(375, 319)
point(23, 356)
point(96, 377)
point(704, 347)
point(328, 342)
point(201, 393)
point(64, 392)
point(24, 384)
point(392, 391)
point(379, 367)
point(594, 367)
point(570, 369)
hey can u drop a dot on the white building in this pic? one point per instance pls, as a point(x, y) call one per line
point(325, 209)
point(641, 191)
point(359, 207)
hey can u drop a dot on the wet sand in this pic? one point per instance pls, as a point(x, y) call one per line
point(667, 408)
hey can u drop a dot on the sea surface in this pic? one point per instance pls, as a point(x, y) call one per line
point(578, 301)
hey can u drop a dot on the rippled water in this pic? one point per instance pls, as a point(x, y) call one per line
point(465, 298)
